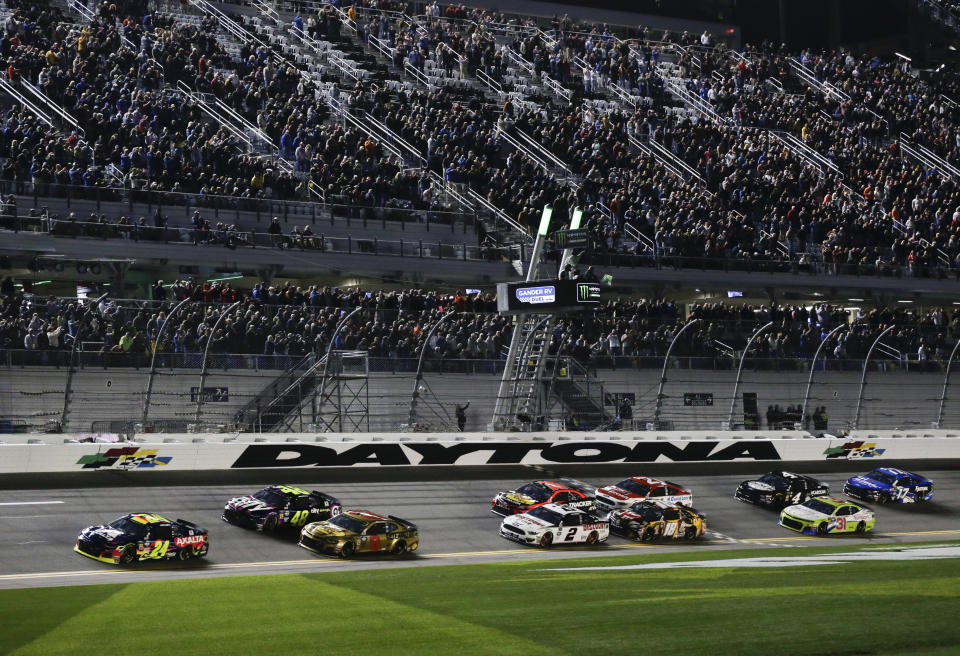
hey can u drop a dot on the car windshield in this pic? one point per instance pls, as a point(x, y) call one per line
point(535, 491)
point(820, 506)
point(546, 515)
point(129, 526)
point(271, 497)
point(633, 486)
point(645, 510)
point(883, 477)
point(348, 523)
point(773, 480)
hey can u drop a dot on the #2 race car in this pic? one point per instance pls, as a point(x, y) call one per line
point(553, 523)
point(638, 488)
point(647, 521)
point(780, 488)
point(277, 506)
point(823, 515)
point(143, 536)
point(888, 484)
point(360, 531)
point(538, 493)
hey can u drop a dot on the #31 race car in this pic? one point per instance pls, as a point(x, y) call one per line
point(529, 496)
point(888, 484)
point(360, 531)
point(143, 536)
point(638, 488)
point(650, 520)
point(780, 488)
point(553, 523)
point(823, 515)
point(277, 506)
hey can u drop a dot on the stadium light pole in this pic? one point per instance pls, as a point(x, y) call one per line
point(663, 373)
point(412, 417)
point(206, 350)
point(813, 367)
point(736, 385)
point(67, 392)
point(863, 376)
point(153, 356)
point(946, 381)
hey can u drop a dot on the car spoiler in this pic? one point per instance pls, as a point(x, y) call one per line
point(579, 486)
point(403, 521)
point(186, 523)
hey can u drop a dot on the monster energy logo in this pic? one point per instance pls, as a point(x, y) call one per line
point(588, 292)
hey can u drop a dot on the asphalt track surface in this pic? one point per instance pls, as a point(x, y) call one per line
point(39, 526)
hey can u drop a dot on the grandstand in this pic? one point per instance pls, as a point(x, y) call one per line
point(320, 184)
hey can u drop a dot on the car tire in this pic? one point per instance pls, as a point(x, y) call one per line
point(347, 550)
point(861, 528)
point(399, 548)
point(822, 528)
point(186, 553)
point(270, 524)
point(546, 540)
point(593, 538)
point(648, 535)
point(690, 533)
point(129, 555)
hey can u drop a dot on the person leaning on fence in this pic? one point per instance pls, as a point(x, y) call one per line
point(461, 412)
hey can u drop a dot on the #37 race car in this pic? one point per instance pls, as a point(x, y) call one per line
point(650, 520)
point(538, 493)
point(143, 536)
point(823, 515)
point(553, 523)
point(360, 531)
point(888, 484)
point(780, 488)
point(638, 488)
point(277, 506)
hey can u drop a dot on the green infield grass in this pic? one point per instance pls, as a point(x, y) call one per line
point(888, 607)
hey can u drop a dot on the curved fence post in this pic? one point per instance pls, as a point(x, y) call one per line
point(863, 376)
point(946, 381)
point(153, 357)
point(206, 350)
point(67, 392)
point(813, 367)
point(736, 385)
point(663, 373)
point(412, 416)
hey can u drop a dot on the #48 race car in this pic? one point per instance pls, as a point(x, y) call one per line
point(888, 484)
point(823, 515)
point(277, 506)
point(647, 521)
point(143, 536)
point(554, 524)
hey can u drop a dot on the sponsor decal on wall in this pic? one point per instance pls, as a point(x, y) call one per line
point(852, 450)
point(127, 457)
point(210, 394)
point(697, 398)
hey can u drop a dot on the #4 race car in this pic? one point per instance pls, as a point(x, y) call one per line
point(638, 488)
point(529, 496)
point(647, 521)
point(360, 531)
point(888, 484)
point(277, 506)
point(553, 523)
point(823, 515)
point(780, 488)
point(143, 536)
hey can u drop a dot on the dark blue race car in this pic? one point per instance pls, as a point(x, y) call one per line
point(889, 485)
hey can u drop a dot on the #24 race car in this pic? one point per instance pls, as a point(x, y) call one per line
point(888, 484)
point(360, 531)
point(538, 493)
point(143, 536)
point(638, 488)
point(780, 488)
point(647, 521)
point(277, 506)
point(823, 515)
point(553, 523)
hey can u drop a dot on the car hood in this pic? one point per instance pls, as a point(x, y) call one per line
point(321, 530)
point(760, 486)
point(803, 512)
point(102, 535)
point(250, 505)
point(863, 481)
point(517, 498)
point(526, 523)
point(617, 493)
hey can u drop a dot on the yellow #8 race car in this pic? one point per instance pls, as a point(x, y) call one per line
point(647, 521)
point(360, 531)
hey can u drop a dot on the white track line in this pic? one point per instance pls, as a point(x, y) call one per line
point(28, 503)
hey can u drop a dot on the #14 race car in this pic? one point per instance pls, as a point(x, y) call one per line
point(781, 488)
point(823, 515)
point(553, 523)
point(888, 484)
point(143, 536)
point(360, 531)
point(638, 488)
point(647, 521)
point(277, 506)
point(529, 496)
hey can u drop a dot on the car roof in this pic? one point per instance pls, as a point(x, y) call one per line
point(893, 471)
point(148, 518)
point(366, 516)
point(289, 490)
point(834, 501)
point(562, 509)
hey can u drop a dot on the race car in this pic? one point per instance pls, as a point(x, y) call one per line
point(780, 488)
point(529, 496)
point(651, 520)
point(823, 515)
point(278, 506)
point(553, 523)
point(360, 531)
point(888, 484)
point(143, 536)
point(636, 488)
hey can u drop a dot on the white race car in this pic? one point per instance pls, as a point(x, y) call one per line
point(552, 523)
